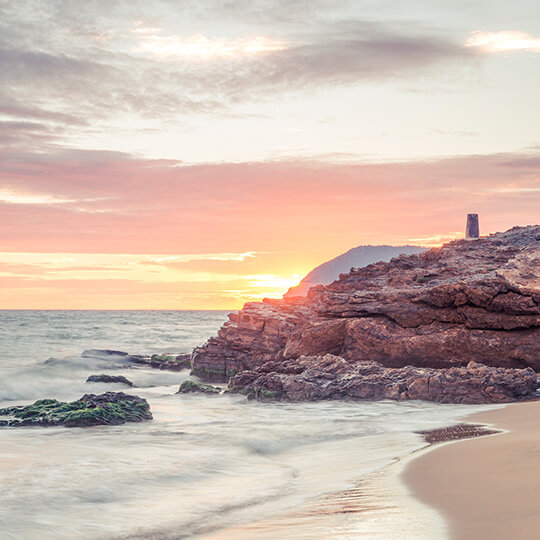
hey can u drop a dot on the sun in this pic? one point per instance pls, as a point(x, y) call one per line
point(271, 285)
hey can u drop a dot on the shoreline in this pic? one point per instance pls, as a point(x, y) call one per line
point(484, 487)
point(376, 505)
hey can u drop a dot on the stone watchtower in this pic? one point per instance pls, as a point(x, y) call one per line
point(473, 229)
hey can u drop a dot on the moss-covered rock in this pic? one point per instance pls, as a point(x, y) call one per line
point(103, 378)
point(110, 408)
point(170, 362)
point(188, 387)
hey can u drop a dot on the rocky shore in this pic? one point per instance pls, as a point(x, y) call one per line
point(456, 324)
point(110, 408)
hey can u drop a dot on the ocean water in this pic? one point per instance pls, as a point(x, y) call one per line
point(203, 464)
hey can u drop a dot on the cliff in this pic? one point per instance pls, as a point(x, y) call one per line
point(442, 312)
point(357, 257)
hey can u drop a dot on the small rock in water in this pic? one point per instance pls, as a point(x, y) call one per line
point(100, 353)
point(170, 362)
point(188, 387)
point(110, 408)
point(109, 379)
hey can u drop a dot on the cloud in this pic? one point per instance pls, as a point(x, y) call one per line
point(503, 42)
point(348, 56)
point(10, 196)
point(70, 276)
point(170, 208)
point(11, 107)
point(90, 65)
point(204, 48)
point(232, 231)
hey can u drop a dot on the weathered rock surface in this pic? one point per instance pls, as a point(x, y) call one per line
point(102, 353)
point(357, 257)
point(468, 301)
point(191, 387)
point(110, 408)
point(332, 377)
point(103, 378)
point(170, 362)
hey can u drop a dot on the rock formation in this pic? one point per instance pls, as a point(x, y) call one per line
point(103, 353)
point(332, 377)
point(110, 408)
point(172, 362)
point(359, 256)
point(468, 301)
point(103, 378)
point(192, 387)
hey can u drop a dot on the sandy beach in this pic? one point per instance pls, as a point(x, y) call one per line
point(488, 487)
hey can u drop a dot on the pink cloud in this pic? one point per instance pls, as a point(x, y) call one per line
point(127, 205)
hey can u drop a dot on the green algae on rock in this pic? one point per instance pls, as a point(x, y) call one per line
point(103, 378)
point(171, 362)
point(188, 387)
point(110, 408)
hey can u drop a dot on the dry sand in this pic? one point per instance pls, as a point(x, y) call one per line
point(488, 487)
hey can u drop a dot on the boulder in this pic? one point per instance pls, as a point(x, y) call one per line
point(190, 387)
point(102, 353)
point(333, 377)
point(172, 362)
point(109, 379)
point(110, 408)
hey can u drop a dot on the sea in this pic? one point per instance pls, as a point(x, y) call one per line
point(203, 465)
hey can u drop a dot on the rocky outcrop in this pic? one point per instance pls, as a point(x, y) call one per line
point(103, 353)
point(251, 337)
point(468, 301)
point(192, 387)
point(315, 378)
point(356, 257)
point(171, 362)
point(110, 408)
point(103, 378)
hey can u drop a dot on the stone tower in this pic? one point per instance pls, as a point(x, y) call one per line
point(473, 229)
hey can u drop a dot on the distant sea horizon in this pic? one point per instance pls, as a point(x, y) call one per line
point(120, 310)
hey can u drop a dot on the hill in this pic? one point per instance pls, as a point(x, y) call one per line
point(357, 257)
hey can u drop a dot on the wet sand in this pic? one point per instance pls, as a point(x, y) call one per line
point(486, 487)
point(376, 507)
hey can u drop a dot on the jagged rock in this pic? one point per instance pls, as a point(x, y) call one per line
point(251, 337)
point(110, 408)
point(470, 300)
point(170, 362)
point(356, 257)
point(188, 387)
point(102, 353)
point(103, 378)
point(332, 377)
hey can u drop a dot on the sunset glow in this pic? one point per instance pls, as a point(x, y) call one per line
point(435, 241)
point(506, 41)
point(198, 155)
point(51, 277)
point(9, 196)
point(204, 48)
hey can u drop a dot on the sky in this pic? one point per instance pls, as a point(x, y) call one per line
point(200, 154)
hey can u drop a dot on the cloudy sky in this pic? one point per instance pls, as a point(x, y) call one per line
point(201, 153)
